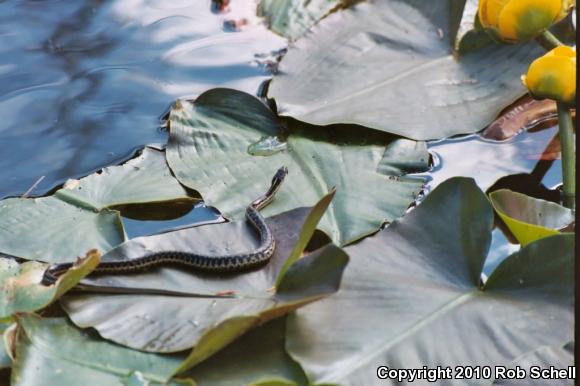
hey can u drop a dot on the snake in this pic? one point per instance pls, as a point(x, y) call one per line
point(202, 262)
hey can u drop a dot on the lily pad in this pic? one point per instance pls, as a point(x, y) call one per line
point(143, 179)
point(411, 296)
point(51, 230)
point(257, 359)
point(529, 218)
point(293, 18)
point(177, 310)
point(208, 151)
point(389, 65)
point(58, 228)
point(20, 288)
point(48, 353)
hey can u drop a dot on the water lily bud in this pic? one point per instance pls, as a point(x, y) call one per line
point(511, 21)
point(553, 76)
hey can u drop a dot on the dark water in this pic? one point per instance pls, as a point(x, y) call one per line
point(83, 83)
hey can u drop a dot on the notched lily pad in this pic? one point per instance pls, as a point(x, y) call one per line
point(143, 179)
point(207, 312)
point(208, 151)
point(77, 218)
point(412, 296)
point(529, 218)
point(21, 290)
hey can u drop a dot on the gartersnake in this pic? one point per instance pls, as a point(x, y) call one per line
point(201, 262)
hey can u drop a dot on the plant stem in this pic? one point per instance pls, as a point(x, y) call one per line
point(548, 40)
point(568, 153)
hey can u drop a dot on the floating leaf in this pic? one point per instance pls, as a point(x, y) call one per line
point(51, 230)
point(411, 296)
point(53, 352)
point(258, 358)
point(208, 152)
point(389, 65)
point(529, 218)
point(20, 288)
point(143, 179)
point(57, 228)
point(208, 312)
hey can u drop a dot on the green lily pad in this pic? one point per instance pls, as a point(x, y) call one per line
point(53, 352)
point(293, 18)
point(411, 296)
point(20, 288)
point(58, 228)
point(189, 309)
point(143, 179)
point(51, 230)
point(390, 65)
point(208, 150)
point(258, 358)
point(529, 218)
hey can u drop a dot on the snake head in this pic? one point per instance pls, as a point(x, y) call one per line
point(280, 175)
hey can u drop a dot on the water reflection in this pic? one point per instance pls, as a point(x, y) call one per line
point(83, 83)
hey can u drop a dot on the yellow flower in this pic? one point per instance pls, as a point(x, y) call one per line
point(511, 21)
point(553, 76)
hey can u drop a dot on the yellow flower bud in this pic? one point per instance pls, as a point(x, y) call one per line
point(511, 21)
point(553, 76)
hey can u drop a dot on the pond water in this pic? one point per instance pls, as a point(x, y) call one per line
point(84, 84)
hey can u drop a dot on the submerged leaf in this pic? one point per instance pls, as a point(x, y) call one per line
point(389, 65)
point(529, 218)
point(21, 290)
point(208, 152)
point(411, 296)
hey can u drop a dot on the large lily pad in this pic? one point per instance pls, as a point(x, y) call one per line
point(529, 218)
point(208, 312)
point(53, 352)
point(209, 150)
point(20, 288)
point(412, 297)
point(58, 228)
point(390, 65)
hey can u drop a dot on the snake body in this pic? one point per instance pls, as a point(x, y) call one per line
point(200, 262)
